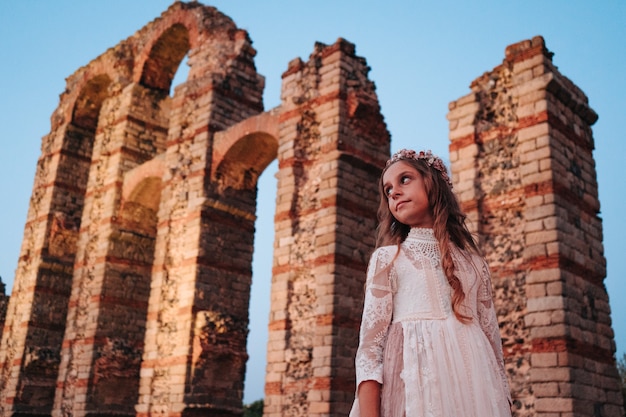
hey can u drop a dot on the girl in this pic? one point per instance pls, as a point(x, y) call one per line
point(429, 342)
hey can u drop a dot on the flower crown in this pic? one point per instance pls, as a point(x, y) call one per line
point(426, 156)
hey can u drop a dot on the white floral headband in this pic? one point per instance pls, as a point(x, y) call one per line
point(426, 156)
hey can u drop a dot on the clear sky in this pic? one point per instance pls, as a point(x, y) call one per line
point(422, 54)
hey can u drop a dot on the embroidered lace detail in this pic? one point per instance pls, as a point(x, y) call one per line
point(474, 272)
point(423, 242)
point(422, 233)
point(488, 321)
point(423, 289)
point(377, 312)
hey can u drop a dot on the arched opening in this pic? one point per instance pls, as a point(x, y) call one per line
point(54, 276)
point(260, 292)
point(127, 272)
point(89, 102)
point(76, 157)
point(181, 74)
point(165, 58)
point(117, 362)
point(245, 161)
point(246, 170)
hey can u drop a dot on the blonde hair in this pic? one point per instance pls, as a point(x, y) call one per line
point(448, 224)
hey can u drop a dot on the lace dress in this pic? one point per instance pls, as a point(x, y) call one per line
point(429, 363)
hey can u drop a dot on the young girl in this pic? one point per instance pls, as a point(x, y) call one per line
point(429, 342)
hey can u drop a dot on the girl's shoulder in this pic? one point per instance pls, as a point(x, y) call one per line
point(383, 251)
point(383, 255)
point(466, 253)
point(477, 260)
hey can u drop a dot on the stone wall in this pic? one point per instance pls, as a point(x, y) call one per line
point(116, 283)
point(333, 145)
point(132, 290)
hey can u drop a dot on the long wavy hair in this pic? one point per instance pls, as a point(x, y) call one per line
point(448, 226)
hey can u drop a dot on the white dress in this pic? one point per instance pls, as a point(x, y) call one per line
point(428, 362)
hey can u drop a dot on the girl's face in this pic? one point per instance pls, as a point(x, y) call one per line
point(406, 195)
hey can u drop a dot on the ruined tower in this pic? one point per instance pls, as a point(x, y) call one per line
point(333, 145)
point(522, 161)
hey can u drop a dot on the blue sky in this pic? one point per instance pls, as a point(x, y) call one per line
point(422, 54)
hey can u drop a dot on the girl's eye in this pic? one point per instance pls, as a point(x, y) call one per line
point(404, 180)
point(387, 191)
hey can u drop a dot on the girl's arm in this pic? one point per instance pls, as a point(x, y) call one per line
point(377, 312)
point(489, 321)
point(369, 399)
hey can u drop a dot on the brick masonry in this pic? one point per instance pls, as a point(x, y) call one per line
point(521, 152)
point(132, 288)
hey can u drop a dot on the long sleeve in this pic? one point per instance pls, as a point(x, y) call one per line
point(489, 322)
point(377, 313)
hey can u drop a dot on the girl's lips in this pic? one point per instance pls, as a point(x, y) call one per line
point(399, 204)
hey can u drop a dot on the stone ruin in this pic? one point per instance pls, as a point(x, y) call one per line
point(133, 282)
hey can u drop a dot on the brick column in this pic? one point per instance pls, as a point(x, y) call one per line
point(197, 324)
point(521, 152)
point(103, 344)
point(30, 352)
point(333, 143)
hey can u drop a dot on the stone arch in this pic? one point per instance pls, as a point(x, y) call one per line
point(205, 233)
point(167, 42)
point(147, 194)
point(116, 366)
point(212, 40)
point(165, 56)
point(79, 204)
point(60, 187)
point(87, 88)
point(240, 168)
point(242, 152)
point(141, 195)
point(139, 211)
point(76, 152)
point(89, 102)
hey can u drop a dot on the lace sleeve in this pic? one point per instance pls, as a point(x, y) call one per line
point(377, 312)
point(489, 321)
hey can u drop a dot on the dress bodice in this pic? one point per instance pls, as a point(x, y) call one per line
point(421, 288)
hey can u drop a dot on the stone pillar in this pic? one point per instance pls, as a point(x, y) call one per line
point(197, 323)
point(333, 144)
point(30, 352)
point(522, 162)
point(103, 344)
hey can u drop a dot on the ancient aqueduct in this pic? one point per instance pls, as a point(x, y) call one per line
point(132, 287)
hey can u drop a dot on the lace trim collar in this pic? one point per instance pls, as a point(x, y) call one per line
point(421, 233)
